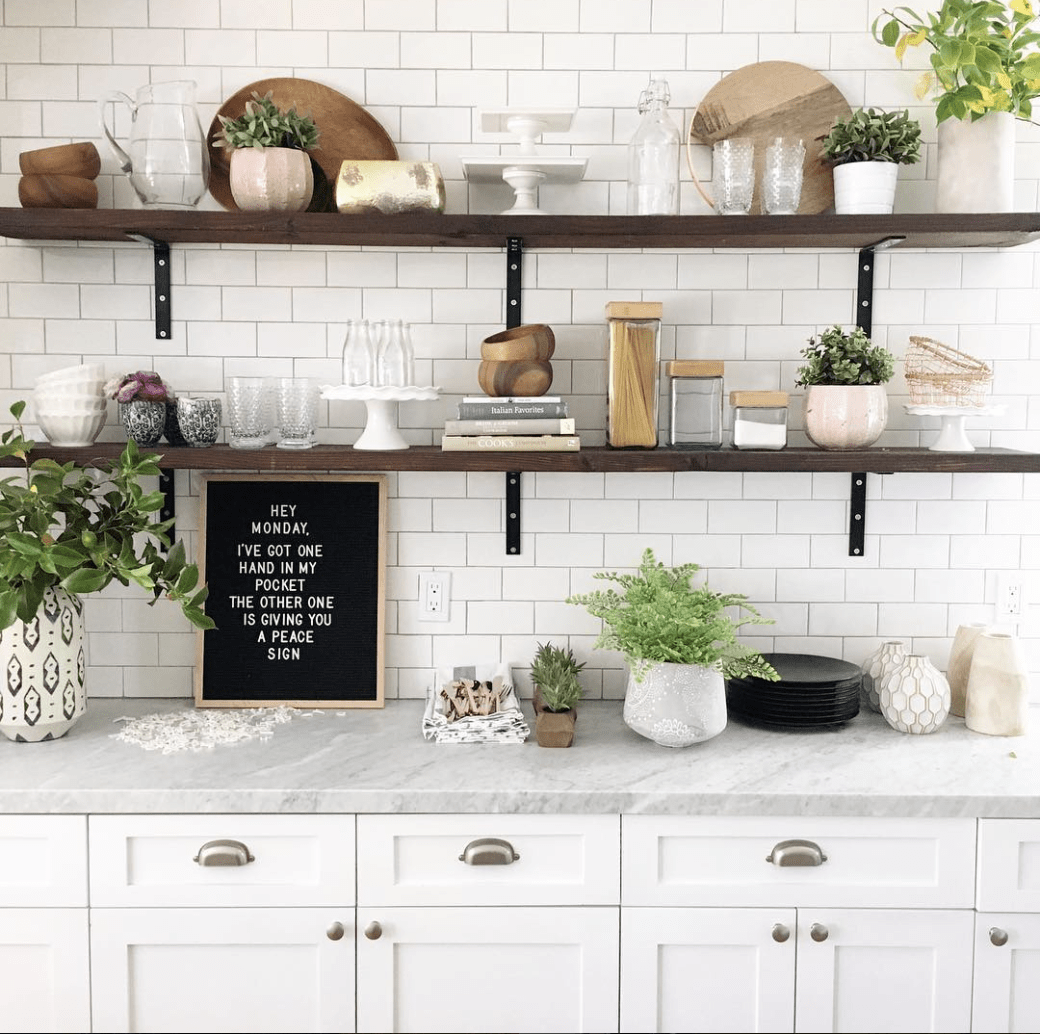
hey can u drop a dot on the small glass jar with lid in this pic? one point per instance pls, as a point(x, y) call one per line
point(695, 403)
point(759, 419)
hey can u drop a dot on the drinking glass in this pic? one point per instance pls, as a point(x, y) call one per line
point(782, 176)
point(733, 175)
point(250, 412)
point(297, 412)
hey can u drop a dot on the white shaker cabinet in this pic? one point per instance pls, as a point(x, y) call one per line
point(44, 965)
point(488, 922)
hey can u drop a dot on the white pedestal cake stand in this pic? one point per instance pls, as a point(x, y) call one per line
point(952, 436)
point(381, 431)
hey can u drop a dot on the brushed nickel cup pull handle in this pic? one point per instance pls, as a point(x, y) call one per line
point(374, 930)
point(335, 932)
point(818, 932)
point(997, 936)
point(489, 851)
point(781, 933)
point(796, 852)
point(224, 852)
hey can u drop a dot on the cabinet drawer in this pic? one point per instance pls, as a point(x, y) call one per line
point(44, 861)
point(869, 862)
point(419, 859)
point(138, 860)
point(1009, 865)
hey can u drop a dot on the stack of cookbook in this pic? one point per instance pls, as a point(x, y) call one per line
point(511, 424)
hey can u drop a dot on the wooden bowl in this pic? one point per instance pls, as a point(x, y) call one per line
point(80, 160)
point(57, 192)
point(530, 341)
point(521, 377)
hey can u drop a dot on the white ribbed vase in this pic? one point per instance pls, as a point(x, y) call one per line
point(997, 701)
point(676, 705)
point(43, 693)
point(959, 664)
point(883, 661)
point(915, 698)
point(865, 188)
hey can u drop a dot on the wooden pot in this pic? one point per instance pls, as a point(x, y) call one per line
point(553, 728)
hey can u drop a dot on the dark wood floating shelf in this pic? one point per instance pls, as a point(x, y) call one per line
point(588, 460)
point(539, 231)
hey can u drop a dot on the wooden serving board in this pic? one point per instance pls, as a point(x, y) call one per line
point(347, 131)
point(769, 99)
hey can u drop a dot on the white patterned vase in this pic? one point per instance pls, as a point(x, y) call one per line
point(43, 692)
point(997, 699)
point(883, 661)
point(676, 704)
point(959, 664)
point(915, 697)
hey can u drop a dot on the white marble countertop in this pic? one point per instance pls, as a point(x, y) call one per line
point(377, 761)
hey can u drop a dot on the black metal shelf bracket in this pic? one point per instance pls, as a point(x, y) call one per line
point(514, 317)
point(161, 258)
point(168, 510)
point(857, 514)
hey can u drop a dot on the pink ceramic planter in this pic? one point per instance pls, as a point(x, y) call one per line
point(271, 179)
point(845, 416)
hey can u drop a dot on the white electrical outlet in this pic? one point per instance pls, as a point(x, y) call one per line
point(1010, 606)
point(434, 595)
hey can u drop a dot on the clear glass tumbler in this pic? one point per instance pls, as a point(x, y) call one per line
point(733, 175)
point(297, 412)
point(782, 176)
point(250, 411)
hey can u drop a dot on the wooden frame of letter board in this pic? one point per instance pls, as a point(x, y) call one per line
point(343, 529)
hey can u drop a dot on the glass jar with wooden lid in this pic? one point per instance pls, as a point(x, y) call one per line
point(759, 419)
point(695, 403)
point(632, 375)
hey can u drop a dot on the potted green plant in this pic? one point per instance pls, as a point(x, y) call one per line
point(269, 168)
point(680, 644)
point(845, 404)
point(147, 407)
point(66, 531)
point(866, 149)
point(985, 74)
point(554, 673)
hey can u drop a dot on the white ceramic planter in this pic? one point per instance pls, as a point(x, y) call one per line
point(865, 188)
point(976, 171)
point(845, 416)
point(271, 179)
point(676, 705)
point(42, 694)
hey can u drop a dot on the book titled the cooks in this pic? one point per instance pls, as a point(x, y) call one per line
point(512, 425)
point(485, 407)
point(510, 443)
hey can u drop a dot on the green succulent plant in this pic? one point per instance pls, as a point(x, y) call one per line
point(844, 357)
point(869, 135)
point(658, 616)
point(63, 525)
point(555, 672)
point(983, 58)
point(263, 124)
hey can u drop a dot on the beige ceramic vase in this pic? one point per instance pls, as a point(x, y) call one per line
point(271, 179)
point(959, 664)
point(845, 416)
point(997, 701)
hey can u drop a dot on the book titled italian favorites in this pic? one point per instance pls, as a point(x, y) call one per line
point(516, 407)
point(511, 443)
point(512, 425)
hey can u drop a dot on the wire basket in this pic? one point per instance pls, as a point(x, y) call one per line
point(938, 375)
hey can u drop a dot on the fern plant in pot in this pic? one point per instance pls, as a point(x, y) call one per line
point(66, 531)
point(680, 644)
point(554, 673)
point(846, 402)
point(866, 150)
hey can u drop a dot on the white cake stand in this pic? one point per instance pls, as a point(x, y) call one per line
point(381, 431)
point(952, 436)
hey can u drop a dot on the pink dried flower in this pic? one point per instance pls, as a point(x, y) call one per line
point(152, 392)
point(127, 391)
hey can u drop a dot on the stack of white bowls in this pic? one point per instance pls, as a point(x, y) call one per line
point(69, 405)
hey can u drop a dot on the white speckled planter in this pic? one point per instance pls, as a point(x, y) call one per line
point(271, 179)
point(915, 698)
point(845, 416)
point(676, 705)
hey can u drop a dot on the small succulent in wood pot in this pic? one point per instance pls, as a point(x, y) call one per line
point(554, 672)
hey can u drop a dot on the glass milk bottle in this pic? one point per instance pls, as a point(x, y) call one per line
point(653, 156)
point(358, 358)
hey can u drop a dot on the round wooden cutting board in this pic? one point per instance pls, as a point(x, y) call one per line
point(347, 130)
point(769, 99)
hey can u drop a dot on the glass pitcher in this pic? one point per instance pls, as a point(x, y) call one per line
point(168, 161)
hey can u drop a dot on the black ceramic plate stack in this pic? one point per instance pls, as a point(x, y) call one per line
point(814, 692)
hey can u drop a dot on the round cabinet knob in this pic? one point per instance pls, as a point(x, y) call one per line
point(335, 932)
point(997, 936)
point(818, 932)
point(373, 931)
point(781, 933)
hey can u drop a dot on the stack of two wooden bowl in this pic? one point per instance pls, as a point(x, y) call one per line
point(59, 177)
point(516, 361)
